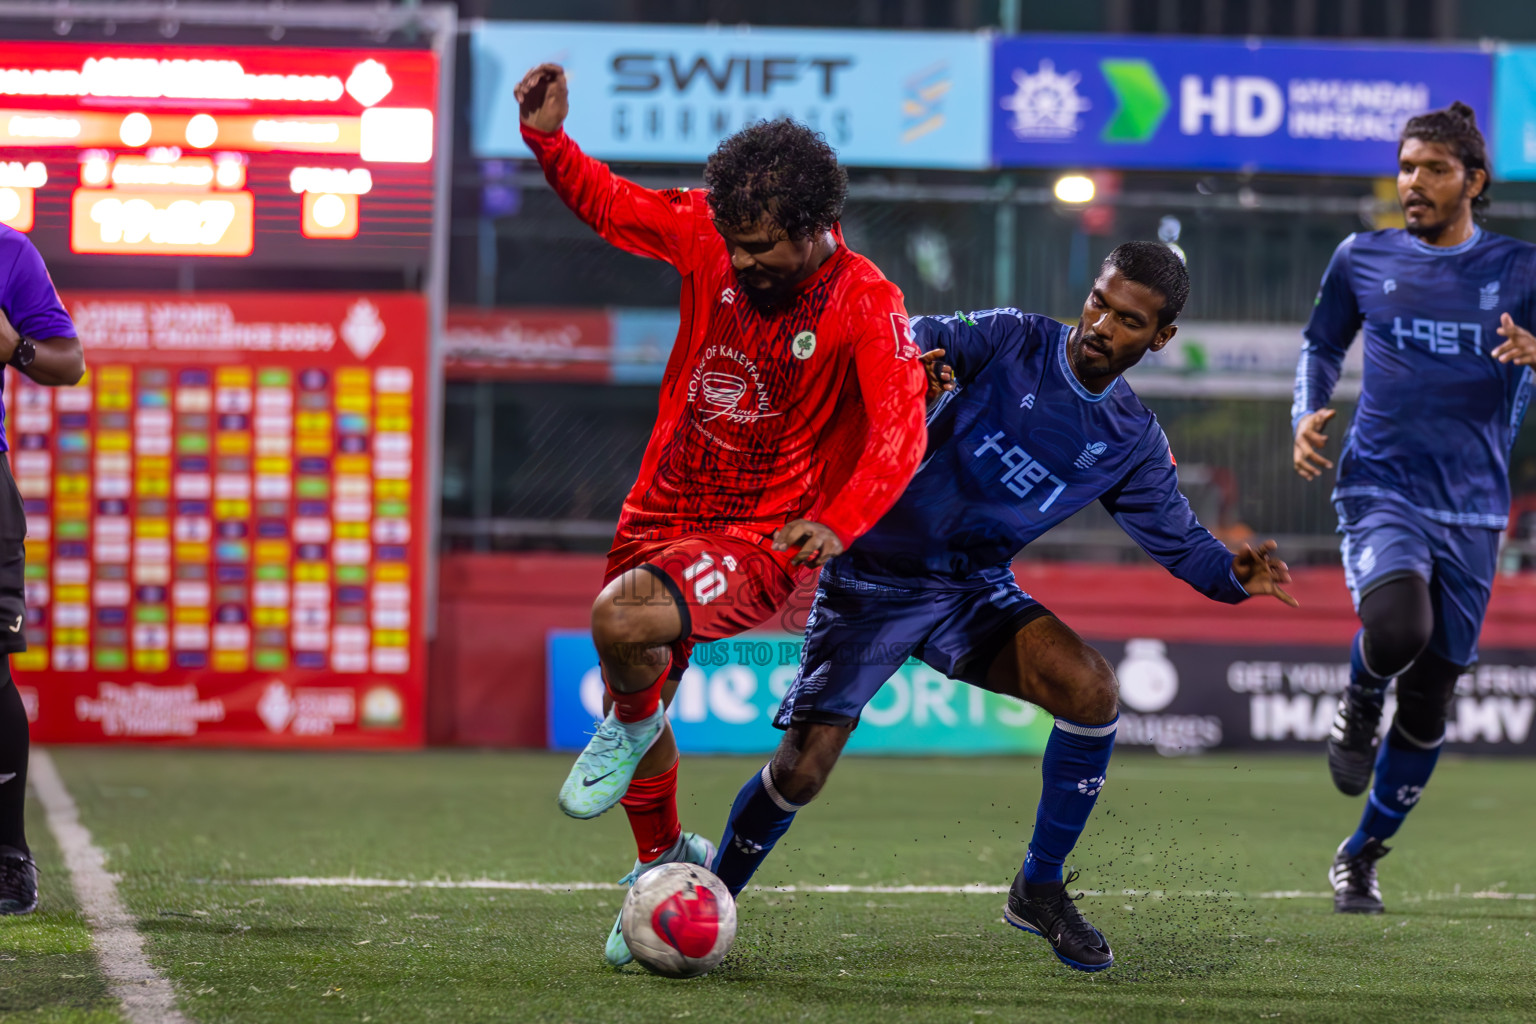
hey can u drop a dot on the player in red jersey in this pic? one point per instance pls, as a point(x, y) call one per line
point(791, 418)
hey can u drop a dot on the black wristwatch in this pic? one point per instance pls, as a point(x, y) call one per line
point(26, 351)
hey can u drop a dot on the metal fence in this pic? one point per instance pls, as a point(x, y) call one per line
point(547, 465)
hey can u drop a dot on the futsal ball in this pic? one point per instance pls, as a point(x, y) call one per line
point(679, 920)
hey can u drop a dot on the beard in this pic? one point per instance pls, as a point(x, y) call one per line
point(1084, 353)
point(1433, 221)
point(1426, 228)
point(764, 299)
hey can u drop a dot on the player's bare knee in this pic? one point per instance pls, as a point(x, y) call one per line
point(1098, 695)
point(618, 620)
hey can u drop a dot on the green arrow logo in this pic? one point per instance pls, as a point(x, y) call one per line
point(1143, 102)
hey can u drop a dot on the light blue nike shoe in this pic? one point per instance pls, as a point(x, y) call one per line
point(690, 848)
point(604, 769)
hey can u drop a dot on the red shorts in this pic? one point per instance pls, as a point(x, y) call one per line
point(723, 584)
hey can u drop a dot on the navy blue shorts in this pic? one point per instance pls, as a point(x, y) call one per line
point(858, 634)
point(1385, 540)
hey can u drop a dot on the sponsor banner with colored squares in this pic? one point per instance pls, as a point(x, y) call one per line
point(672, 92)
point(1514, 114)
point(727, 698)
point(226, 522)
point(1221, 106)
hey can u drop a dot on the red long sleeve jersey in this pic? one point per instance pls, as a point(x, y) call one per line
point(815, 411)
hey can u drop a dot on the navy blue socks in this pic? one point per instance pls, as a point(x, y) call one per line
point(1072, 773)
point(1403, 767)
point(759, 817)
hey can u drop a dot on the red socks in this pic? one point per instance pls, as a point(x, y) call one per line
point(641, 704)
point(652, 808)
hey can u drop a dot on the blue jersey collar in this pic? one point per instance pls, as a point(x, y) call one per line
point(1440, 250)
point(1066, 371)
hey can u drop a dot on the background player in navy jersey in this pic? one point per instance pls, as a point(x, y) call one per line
point(1036, 424)
point(38, 339)
point(1423, 483)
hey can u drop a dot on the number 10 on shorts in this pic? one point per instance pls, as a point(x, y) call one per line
point(708, 582)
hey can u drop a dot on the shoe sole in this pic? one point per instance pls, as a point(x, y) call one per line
point(1023, 926)
point(1343, 774)
point(1358, 910)
point(560, 800)
point(18, 913)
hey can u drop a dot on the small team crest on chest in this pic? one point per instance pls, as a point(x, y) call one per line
point(804, 345)
point(1488, 295)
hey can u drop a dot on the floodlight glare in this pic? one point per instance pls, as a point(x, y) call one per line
point(1074, 188)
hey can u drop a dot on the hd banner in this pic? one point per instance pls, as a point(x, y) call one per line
point(1220, 106)
point(671, 92)
point(1175, 698)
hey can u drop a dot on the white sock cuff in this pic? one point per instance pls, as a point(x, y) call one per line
point(1088, 730)
point(773, 792)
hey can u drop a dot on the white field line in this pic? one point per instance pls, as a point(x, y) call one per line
point(147, 997)
point(971, 889)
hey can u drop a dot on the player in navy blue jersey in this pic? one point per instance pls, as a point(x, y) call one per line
point(1035, 424)
point(1422, 490)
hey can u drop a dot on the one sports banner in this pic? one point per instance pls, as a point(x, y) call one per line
point(726, 701)
point(672, 92)
point(1222, 106)
point(226, 522)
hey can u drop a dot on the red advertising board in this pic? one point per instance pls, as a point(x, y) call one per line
point(226, 522)
point(527, 344)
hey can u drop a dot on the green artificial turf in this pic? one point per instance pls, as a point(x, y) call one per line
point(48, 974)
point(1203, 843)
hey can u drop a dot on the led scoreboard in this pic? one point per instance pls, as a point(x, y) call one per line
point(282, 155)
point(227, 530)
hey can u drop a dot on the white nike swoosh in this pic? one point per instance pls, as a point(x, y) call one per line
point(7, 778)
point(17, 628)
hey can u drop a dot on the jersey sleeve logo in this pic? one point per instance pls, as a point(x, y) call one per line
point(906, 345)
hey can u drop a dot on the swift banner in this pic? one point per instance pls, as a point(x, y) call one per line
point(727, 698)
point(672, 92)
point(226, 522)
point(1220, 106)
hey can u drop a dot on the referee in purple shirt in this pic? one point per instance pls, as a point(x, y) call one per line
point(38, 339)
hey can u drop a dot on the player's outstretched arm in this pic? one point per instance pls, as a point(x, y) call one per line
point(661, 226)
point(1149, 506)
point(1261, 572)
point(1306, 448)
point(1519, 345)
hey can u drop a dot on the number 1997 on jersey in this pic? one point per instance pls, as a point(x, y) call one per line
point(1442, 337)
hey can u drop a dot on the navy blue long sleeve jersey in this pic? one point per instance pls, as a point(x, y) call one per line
point(1017, 447)
point(1437, 414)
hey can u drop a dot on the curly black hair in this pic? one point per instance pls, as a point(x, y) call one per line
point(1456, 128)
point(779, 168)
point(1158, 267)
